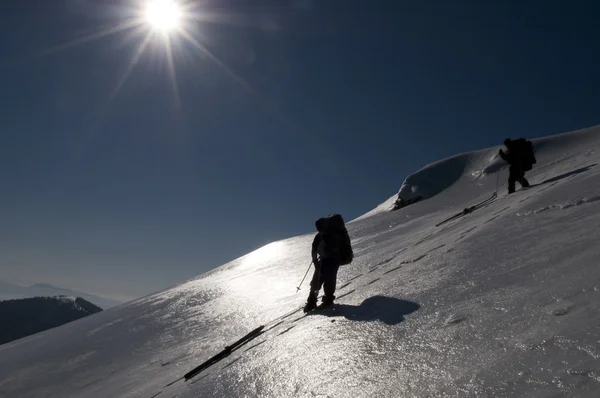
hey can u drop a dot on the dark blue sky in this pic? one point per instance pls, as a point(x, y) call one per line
point(335, 102)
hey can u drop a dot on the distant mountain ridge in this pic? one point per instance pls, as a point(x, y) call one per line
point(23, 317)
point(9, 291)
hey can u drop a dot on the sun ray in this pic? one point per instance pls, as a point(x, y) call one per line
point(171, 66)
point(186, 35)
point(91, 37)
point(132, 63)
point(264, 22)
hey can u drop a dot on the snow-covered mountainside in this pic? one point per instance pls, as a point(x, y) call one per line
point(501, 302)
point(24, 317)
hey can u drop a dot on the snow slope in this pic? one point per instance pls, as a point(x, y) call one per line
point(503, 302)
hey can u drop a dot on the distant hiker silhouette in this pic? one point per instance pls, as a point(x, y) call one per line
point(521, 158)
point(331, 248)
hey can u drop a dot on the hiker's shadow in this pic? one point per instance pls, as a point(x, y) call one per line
point(565, 175)
point(388, 310)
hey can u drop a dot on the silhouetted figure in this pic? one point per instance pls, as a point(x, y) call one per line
point(520, 157)
point(330, 248)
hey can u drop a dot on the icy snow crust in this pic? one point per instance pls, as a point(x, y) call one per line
point(503, 302)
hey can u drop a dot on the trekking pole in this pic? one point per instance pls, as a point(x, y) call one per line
point(298, 288)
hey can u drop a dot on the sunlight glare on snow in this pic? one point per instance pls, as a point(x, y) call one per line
point(264, 254)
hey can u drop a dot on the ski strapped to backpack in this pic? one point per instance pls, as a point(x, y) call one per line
point(335, 239)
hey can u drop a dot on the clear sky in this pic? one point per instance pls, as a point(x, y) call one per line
point(126, 171)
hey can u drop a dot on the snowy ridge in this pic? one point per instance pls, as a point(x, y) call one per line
point(436, 177)
point(502, 302)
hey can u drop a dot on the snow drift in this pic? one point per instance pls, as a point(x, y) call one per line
point(502, 302)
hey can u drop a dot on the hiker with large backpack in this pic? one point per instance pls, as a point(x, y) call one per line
point(521, 158)
point(331, 248)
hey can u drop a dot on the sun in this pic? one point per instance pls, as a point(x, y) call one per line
point(163, 15)
point(158, 23)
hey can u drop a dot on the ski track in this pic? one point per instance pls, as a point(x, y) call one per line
point(500, 211)
point(354, 278)
point(392, 270)
point(345, 294)
point(256, 345)
point(436, 248)
point(386, 261)
point(423, 240)
point(491, 219)
point(344, 285)
point(464, 234)
point(231, 363)
point(401, 251)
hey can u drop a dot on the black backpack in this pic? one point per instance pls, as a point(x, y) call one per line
point(335, 241)
point(523, 153)
point(528, 155)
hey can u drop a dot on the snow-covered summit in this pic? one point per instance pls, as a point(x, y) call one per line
point(502, 302)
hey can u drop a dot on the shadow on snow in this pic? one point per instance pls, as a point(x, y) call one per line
point(566, 175)
point(388, 310)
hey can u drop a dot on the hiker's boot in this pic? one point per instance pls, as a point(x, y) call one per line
point(327, 300)
point(524, 183)
point(311, 302)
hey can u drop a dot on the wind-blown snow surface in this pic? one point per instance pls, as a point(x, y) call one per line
point(503, 302)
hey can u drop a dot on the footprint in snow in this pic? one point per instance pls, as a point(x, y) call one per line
point(455, 320)
point(561, 311)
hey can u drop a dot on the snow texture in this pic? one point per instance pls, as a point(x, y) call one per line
point(502, 302)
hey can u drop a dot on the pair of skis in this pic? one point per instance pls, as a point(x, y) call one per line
point(225, 353)
point(470, 209)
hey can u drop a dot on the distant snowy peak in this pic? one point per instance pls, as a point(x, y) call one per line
point(441, 175)
point(24, 317)
point(78, 304)
point(11, 291)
